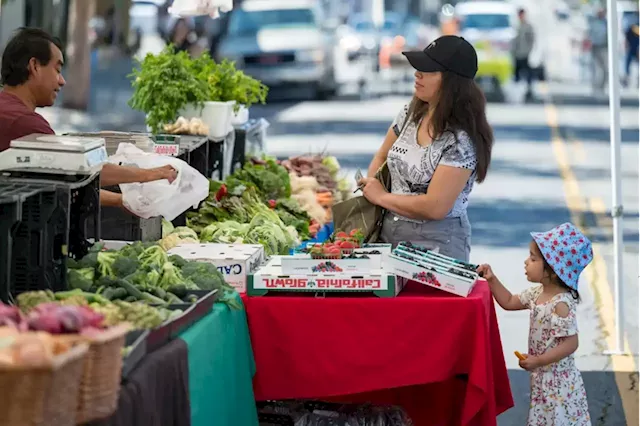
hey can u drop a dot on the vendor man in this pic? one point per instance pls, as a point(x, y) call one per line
point(32, 77)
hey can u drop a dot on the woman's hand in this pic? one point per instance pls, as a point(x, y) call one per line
point(530, 362)
point(372, 189)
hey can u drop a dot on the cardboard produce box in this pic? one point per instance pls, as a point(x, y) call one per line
point(432, 269)
point(235, 261)
point(271, 278)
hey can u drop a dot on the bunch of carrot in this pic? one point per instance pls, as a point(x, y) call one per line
point(325, 199)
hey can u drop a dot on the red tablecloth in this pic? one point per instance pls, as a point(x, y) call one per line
point(437, 355)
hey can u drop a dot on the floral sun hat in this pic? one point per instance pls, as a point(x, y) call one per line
point(566, 250)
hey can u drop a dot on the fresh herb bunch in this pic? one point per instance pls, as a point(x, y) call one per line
point(230, 84)
point(167, 82)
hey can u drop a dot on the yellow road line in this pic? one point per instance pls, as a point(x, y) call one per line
point(623, 365)
point(578, 150)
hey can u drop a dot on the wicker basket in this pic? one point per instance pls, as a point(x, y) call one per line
point(43, 396)
point(100, 384)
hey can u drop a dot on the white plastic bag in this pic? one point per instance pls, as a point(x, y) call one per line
point(160, 198)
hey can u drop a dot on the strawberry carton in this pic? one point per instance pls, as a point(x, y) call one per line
point(352, 263)
point(433, 269)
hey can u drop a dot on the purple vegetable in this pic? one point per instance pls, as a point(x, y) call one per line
point(10, 312)
point(45, 321)
point(91, 318)
point(70, 318)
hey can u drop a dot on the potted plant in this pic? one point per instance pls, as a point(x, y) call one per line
point(229, 84)
point(172, 84)
point(164, 84)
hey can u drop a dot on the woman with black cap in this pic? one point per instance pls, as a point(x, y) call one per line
point(436, 148)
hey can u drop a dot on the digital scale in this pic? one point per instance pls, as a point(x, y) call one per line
point(53, 154)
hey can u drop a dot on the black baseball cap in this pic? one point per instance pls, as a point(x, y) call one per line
point(447, 53)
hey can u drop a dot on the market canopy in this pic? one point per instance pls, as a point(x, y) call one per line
point(200, 7)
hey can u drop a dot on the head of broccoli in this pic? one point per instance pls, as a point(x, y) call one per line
point(177, 260)
point(132, 250)
point(171, 275)
point(205, 275)
point(81, 278)
point(124, 266)
point(105, 263)
point(153, 256)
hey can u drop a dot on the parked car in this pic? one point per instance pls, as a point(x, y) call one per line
point(491, 27)
point(282, 42)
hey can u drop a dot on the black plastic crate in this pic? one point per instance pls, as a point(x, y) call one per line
point(52, 224)
point(85, 215)
point(215, 162)
point(117, 224)
point(239, 149)
point(198, 151)
point(11, 198)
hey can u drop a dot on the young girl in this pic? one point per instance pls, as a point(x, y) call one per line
point(556, 259)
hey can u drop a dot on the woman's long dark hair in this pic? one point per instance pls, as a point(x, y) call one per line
point(461, 106)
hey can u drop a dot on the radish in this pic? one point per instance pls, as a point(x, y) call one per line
point(47, 321)
point(70, 318)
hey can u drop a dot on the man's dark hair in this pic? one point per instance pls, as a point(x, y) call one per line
point(26, 43)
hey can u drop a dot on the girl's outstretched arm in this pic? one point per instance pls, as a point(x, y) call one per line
point(505, 299)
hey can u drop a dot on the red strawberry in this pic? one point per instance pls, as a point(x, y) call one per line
point(272, 204)
point(347, 245)
point(341, 235)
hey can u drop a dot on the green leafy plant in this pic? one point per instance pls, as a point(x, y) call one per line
point(230, 84)
point(165, 83)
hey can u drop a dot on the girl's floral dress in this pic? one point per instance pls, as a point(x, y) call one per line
point(558, 397)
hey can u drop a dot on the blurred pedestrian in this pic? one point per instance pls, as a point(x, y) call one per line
point(632, 45)
point(598, 38)
point(183, 35)
point(521, 49)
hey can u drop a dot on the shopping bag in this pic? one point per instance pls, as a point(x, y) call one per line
point(160, 198)
point(359, 213)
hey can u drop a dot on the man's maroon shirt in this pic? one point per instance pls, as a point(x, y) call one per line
point(17, 120)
